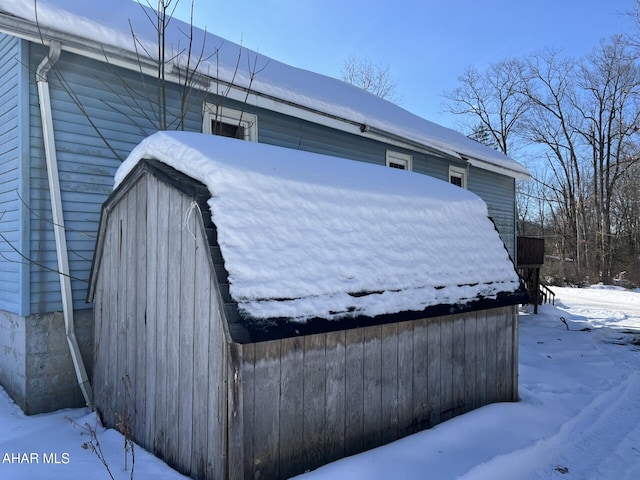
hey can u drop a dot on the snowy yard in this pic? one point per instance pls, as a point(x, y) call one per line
point(579, 415)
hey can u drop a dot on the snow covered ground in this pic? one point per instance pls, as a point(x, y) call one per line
point(579, 414)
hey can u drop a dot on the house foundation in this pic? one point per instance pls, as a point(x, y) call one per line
point(36, 368)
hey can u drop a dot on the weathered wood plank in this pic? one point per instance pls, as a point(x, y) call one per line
point(492, 355)
point(103, 327)
point(515, 330)
point(98, 322)
point(176, 371)
point(502, 366)
point(335, 395)
point(446, 368)
point(267, 410)
point(481, 359)
point(140, 311)
point(372, 386)
point(122, 316)
point(405, 378)
point(291, 438)
point(109, 319)
point(248, 407)
point(470, 360)
point(354, 382)
point(421, 352)
point(129, 341)
point(389, 410)
point(204, 383)
point(162, 275)
point(219, 382)
point(314, 400)
point(184, 230)
point(458, 405)
point(150, 308)
point(434, 397)
point(238, 440)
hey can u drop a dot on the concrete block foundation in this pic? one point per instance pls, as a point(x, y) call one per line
point(36, 368)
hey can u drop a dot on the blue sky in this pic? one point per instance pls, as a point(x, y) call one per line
point(427, 44)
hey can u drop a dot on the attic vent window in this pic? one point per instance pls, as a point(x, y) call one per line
point(228, 122)
point(398, 160)
point(458, 176)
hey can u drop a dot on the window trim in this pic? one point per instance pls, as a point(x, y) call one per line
point(230, 116)
point(458, 172)
point(393, 156)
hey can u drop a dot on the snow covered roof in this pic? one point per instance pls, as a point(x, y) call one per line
point(307, 236)
point(106, 27)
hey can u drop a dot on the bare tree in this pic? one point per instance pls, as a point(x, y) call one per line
point(494, 99)
point(609, 114)
point(375, 78)
point(580, 119)
point(550, 123)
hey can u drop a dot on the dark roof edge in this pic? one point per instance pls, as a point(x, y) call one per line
point(253, 331)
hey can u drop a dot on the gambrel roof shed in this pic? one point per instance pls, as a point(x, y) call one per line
point(273, 310)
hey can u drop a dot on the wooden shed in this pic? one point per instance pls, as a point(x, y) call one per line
point(223, 374)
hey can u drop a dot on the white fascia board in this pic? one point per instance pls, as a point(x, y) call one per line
point(73, 44)
point(491, 167)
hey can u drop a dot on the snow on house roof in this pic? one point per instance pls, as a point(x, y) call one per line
point(111, 23)
point(311, 236)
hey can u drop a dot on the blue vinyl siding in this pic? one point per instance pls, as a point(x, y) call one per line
point(12, 267)
point(498, 192)
point(87, 165)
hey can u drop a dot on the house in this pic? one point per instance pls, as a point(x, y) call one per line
point(260, 311)
point(79, 94)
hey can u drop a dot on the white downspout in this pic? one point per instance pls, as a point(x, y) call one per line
point(58, 218)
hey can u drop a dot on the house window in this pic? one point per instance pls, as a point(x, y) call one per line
point(458, 176)
point(228, 122)
point(398, 160)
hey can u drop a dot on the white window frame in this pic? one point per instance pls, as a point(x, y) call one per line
point(230, 116)
point(460, 173)
point(399, 159)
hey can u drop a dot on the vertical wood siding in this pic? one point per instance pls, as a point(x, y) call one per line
point(11, 150)
point(309, 401)
point(160, 349)
point(213, 409)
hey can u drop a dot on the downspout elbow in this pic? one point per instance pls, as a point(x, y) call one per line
point(42, 72)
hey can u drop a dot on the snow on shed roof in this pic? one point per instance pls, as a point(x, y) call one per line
point(111, 23)
point(311, 236)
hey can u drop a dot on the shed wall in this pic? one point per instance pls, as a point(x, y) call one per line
point(213, 409)
point(159, 341)
point(310, 400)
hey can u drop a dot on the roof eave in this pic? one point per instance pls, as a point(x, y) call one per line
point(492, 167)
